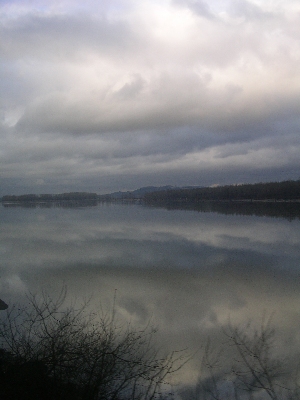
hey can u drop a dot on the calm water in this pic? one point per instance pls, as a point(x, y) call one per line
point(186, 271)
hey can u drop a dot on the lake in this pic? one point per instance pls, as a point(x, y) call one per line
point(187, 272)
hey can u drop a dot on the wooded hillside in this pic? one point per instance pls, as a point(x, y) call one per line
point(287, 190)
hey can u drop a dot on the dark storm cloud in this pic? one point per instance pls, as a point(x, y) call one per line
point(172, 92)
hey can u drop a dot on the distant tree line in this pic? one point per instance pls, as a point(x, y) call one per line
point(286, 190)
point(50, 197)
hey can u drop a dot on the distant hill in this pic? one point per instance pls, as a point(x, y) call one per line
point(141, 192)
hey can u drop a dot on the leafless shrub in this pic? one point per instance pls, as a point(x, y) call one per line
point(246, 367)
point(80, 355)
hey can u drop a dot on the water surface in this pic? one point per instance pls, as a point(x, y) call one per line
point(186, 271)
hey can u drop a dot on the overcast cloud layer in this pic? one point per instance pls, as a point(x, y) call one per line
point(117, 94)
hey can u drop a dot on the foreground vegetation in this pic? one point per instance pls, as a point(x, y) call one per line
point(247, 366)
point(52, 352)
point(49, 352)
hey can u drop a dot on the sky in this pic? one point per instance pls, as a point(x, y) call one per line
point(113, 95)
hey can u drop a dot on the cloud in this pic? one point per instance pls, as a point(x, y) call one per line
point(150, 88)
point(199, 7)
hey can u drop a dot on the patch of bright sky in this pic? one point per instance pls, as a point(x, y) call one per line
point(169, 24)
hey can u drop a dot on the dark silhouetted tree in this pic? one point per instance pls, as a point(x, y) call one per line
point(49, 351)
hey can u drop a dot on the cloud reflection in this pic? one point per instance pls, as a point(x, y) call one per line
point(184, 271)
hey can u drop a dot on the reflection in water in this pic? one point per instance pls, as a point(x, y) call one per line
point(52, 204)
point(274, 209)
point(185, 271)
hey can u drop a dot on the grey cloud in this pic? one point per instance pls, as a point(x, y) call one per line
point(64, 37)
point(170, 99)
point(157, 106)
point(150, 157)
point(249, 10)
point(234, 8)
point(131, 89)
point(166, 102)
point(135, 96)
